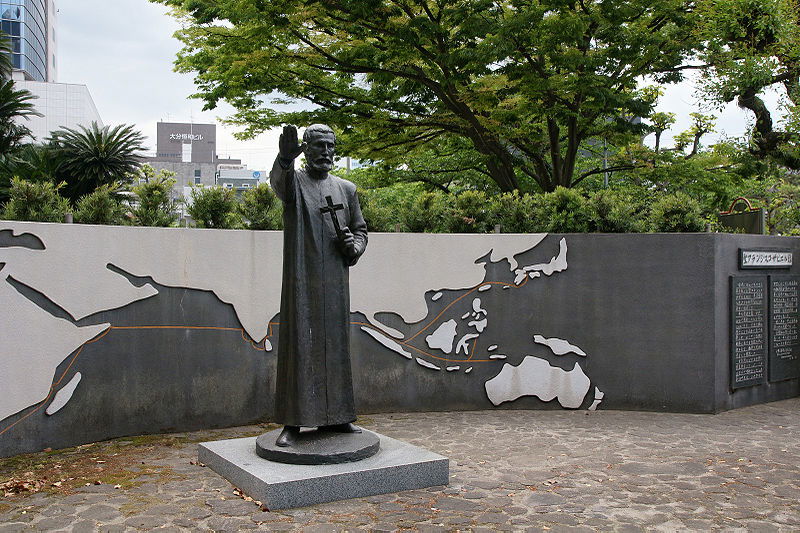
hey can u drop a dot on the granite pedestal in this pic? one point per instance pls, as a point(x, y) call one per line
point(396, 467)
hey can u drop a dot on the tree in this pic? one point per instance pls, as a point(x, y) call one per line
point(260, 208)
point(701, 125)
point(102, 206)
point(90, 157)
point(713, 176)
point(34, 162)
point(448, 164)
point(213, 207)
point(14, 105)
point(153, 204)
point(753, 46)
point(660, 122)
point(5, 56)
point(677, 212)
point(526, 82)
point(36, 202)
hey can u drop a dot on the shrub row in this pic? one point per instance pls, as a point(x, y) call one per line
point(562, 211)
point(149, 203)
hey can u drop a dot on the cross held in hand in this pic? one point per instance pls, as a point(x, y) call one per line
point(332, 208)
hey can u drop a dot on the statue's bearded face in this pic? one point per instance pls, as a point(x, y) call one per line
point(320, 150)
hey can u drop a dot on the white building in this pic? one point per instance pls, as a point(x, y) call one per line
point(31, 27)
point(63, 105)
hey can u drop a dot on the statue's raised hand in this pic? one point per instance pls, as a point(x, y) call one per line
point(288, 146)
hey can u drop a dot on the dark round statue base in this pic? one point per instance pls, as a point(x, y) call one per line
point(319, 447)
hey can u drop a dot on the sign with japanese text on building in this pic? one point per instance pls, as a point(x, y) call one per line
point(761, 258)
point(185, 137)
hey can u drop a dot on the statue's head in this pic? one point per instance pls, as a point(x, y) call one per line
point(320, 147)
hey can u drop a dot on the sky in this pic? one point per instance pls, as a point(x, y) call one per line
point(123, 51)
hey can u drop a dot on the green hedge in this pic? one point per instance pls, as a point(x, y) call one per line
point(562, 211)
point(401, 207)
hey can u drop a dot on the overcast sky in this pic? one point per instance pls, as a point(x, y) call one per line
point(123, 50)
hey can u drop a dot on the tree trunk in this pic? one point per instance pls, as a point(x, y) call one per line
point(502, 174)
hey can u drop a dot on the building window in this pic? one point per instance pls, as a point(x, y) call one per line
point(245, 185)
point(198, 181)
point(197, 173)
point(228, 185)
point(25, 22)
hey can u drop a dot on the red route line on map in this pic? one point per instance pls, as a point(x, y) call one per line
point(269, 334)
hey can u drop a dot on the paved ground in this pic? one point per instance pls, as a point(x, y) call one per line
point(510, 471)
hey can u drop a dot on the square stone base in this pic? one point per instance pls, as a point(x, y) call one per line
point(396, 467)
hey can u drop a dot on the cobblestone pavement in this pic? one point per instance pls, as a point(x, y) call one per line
point(510, 471)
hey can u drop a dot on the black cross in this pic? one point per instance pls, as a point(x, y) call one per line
point(332, 208)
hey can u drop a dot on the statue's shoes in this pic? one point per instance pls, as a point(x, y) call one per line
point(287, 437)
point(342, 428)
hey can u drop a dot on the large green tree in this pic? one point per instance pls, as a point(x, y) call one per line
point(527, 82)
point(751, 47)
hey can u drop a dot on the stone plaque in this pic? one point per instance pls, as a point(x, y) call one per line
point(784, 348)
point(764, 258)
point(748, 330)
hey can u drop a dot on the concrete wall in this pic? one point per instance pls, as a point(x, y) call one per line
point(110, 331)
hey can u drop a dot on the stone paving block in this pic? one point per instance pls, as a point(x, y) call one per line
point(383, 528)
point(237, 507)
point(282, 527)
point(544, 499)
point(54, 522)
point(111, 528)
point(185, 523)
point(100, 513)
point(84, 526)
point(15, 527)
point(145, 522)
point(197, 513)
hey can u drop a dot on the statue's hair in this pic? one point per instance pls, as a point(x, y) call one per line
point(317, 129)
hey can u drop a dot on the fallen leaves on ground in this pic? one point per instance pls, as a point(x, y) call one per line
point(21, 486)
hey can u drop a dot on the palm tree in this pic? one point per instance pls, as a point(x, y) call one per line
point(14, 104)
point(5, 56)
point(35, 162)
point(90, 157)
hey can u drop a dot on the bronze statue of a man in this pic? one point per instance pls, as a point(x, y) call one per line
point(324, 234)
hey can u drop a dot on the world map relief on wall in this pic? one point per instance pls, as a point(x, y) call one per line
point(455, 337)
point(106, 295)
point(82, 312)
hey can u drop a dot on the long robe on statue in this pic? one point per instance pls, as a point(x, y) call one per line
point(314, 380)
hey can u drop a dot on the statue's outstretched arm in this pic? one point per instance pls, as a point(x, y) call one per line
point(281, 177)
